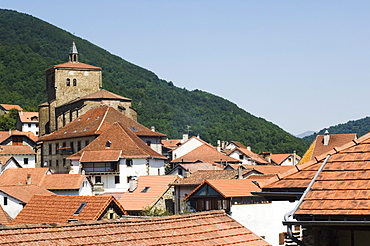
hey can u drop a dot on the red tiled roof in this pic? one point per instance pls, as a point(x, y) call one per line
point(158, 185)
point(57, 209)
point(204, 228)
point(76, 65)
point(279, 158)
point(171, 143)
point(318, 148)
point(101, 94)
point(255, 157)
point(4, 160)
point(205, 153)
point(96, 121)
point(16, 150)
point(62, 181)
point(18, 176)
point(270, 169)
point(28, 117)
point(9, 107)
point(116, 195)
point(122, 140)
point(24, 192)
point(4, 135)
point(199, 176)
point(193, 167)
point(5, 219)
point(343, 186)
point(229, 187)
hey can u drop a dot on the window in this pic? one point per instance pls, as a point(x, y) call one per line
point(97, 179)
point(64, 162)
point(57, 163)
point(74, 82)
point(72, 146)
point(87, 142)
point(78, 145)
point(129, 162)
point(56, 148)
point(108, 144)
point(116, 180)
point(145, 189)
point(50, 149)
point(5, 200)
point(25, 161)
point(241, 157)
point(68, 82)
point(148, 143)
point(29, 125)
point(79, 209)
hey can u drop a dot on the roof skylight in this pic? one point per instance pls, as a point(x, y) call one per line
point(145, 189)
point(79, 209)
point(134, 129)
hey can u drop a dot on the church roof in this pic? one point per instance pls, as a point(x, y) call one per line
point(78, 65)
point(96, 121)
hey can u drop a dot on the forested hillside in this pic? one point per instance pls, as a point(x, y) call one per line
point(28, 46)
point(360, 127)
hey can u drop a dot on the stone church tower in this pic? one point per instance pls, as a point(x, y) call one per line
point(72, 89)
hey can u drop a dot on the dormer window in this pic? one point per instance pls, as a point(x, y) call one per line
point(68, 82)
point(108, 144)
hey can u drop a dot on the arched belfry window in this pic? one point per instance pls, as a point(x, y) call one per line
point(108, 144)
point(74, 82)
point(68, 82)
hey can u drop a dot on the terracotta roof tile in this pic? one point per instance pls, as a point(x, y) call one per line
point(343, 186)
point(205, 153)
point(28, 117)
point(79, 65)
point(199, 176)
point(122, 143)
point(10, 106)
point(18, 176)
point(16, 150)
point(137, 200)
point(229, 187)
point(62, 181)
point(193, 167)
point(171, 143)
point(204, 228)
point(4, 135)
point(96, 121)
point(54, 209)
point(5, 219)
point(24, 192)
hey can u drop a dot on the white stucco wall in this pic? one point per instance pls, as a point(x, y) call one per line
point(263, 219)
point(236, 154)
point(14, 206)
point(34, 128)
point(188, 146)
point(31, 160)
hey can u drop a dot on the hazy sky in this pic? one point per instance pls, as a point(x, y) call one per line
point(303, 65)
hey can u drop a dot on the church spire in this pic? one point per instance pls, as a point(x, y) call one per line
point(73, 53)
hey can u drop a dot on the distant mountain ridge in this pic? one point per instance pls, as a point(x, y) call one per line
point(305, 134)
point(360, 127)
point(28, 46)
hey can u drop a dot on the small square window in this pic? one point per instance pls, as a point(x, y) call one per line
point(129, 162)
point(97, 179)
point(25, 161)
point(116, 180)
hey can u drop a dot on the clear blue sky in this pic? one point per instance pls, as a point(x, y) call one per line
point(303, 65)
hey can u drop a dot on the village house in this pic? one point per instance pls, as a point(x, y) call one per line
point(115, 158)
point(23, 154)
point(18, 138)
point(14, 197)
point(205, 228)
point(7, 162)
point(58, 209)
point(28, 122)
point(150, 194)
point(185, 169)
point(60, 184)
point(5, 108)
point(246, 156)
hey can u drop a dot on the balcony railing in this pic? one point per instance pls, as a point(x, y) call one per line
point(64, 150)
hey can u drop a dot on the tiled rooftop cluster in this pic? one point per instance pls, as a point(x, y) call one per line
point(205, 228)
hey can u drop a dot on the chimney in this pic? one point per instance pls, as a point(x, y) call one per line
point(28, 179)
point(294, 158)
point(218, 145)
point(132, 185)
point(240, 175)
point(213, 167)
point(326, 138)
point(249, 147)
point(185, 137)
point(152, 128)
point(187, 174)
